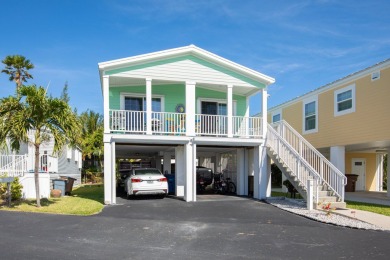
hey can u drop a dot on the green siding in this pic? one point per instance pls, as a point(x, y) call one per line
point(174, 95)
point(194, 59)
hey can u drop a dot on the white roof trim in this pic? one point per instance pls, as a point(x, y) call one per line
point(191, 49)
point(335, 84)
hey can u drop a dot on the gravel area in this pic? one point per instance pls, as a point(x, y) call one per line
point(299, 207)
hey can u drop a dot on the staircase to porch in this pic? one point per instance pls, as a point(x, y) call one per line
point(13, 165)
point(299, 161)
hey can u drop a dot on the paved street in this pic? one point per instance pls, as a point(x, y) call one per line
point(172, 229)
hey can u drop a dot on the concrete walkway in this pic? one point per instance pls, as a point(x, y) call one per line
point(375, 197)
point(369, 217)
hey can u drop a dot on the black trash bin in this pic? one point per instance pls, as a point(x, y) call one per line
point(69, 184)
point(351, 182)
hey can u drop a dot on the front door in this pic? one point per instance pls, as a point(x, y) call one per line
point(359, 168)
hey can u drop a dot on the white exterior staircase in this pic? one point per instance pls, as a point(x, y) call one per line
point(299, 161)
point(13, 165)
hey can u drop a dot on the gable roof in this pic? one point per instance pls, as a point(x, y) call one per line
point(181, 51)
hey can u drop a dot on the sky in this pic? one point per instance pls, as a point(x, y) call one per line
point(302, 44)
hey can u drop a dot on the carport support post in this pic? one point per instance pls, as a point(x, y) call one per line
point(242, 178)
point(262, 173)
point(109, 173)
point(190, 172)
point(167, 162)
point(179, 171)
point(265, 173)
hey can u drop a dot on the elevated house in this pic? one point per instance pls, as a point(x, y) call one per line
point(67, 163)
point(346, 120)
point(192, 106)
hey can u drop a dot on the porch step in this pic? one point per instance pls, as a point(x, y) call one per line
point(333, 205)
point(327, 199)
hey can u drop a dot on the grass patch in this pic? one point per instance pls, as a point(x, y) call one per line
point(85, 200)
point(375, 208)
point(283, 194)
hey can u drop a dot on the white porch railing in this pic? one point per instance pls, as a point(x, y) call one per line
point(328, 173)
point(134, 122)
point(13, 165)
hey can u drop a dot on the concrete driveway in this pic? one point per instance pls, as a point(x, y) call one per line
point(172, 229)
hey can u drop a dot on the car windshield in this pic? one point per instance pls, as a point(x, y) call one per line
point(147, 172)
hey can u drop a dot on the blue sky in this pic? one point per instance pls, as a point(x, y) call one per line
point(303, 44)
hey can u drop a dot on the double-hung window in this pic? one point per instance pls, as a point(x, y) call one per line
point(310, 115)
point(344, 100)
point(276, 115)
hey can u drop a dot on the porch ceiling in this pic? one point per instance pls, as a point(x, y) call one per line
point(120, 81)
point(369, 147)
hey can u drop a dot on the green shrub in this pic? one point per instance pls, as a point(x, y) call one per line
point(16, 189)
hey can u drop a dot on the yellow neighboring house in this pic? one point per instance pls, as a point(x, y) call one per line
point(348, 122)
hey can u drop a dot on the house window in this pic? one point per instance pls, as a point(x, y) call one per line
point(139, 104)
point(275, 118)
point(375, 75)
point(344, 100)
point(310, 115)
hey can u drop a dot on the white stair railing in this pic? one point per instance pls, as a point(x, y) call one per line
point(287, 156)
point(329, 174)
point(13, 165)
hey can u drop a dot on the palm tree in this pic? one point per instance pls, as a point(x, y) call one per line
point(17, 66)
point(33, 117)
point(92, 135)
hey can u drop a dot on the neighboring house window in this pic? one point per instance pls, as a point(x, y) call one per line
point(275, 118)
point(310, 115)
point(344, 101)
point(375, 75)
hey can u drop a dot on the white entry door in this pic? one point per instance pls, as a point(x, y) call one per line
point(359, 168)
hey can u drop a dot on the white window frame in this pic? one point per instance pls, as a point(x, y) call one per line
point(351, 88)
point(304, 102)
point(375, 75)
point(275, 113)
point(123, 95)
point(219, 101)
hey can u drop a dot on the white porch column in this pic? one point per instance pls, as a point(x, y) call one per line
point(264, 96)
point(107, 173)
point(242, 178)
point(265, 173)
point(337, 157)
point(379, 171)
point(148, 106)
point(230, 110)
point(167, 162)
point(179, 171)
point(247, 116)
point(190, 108)
point(190, 172)
point(106, 104)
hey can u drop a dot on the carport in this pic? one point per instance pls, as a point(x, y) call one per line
point(235, 160)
